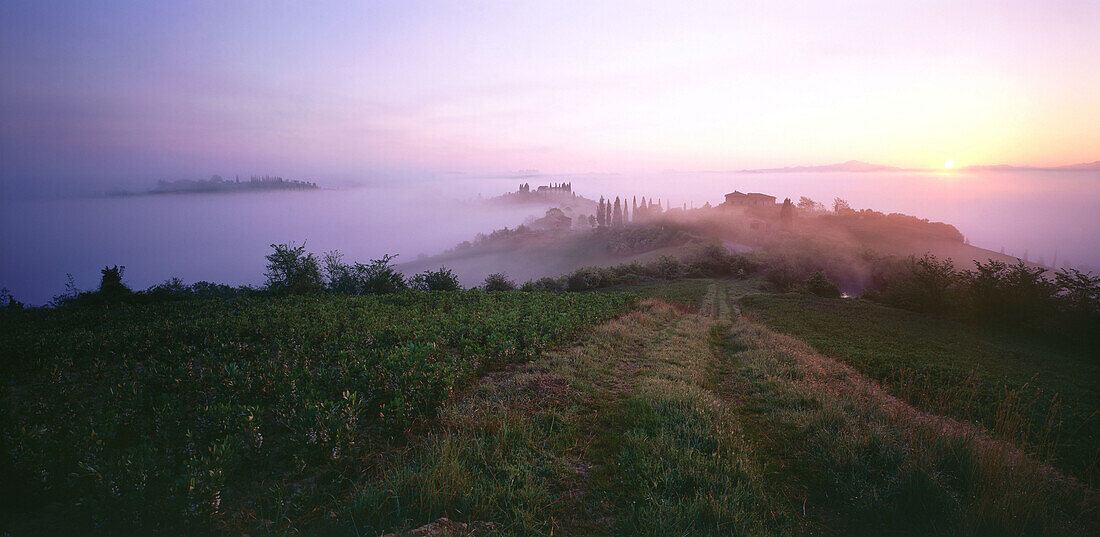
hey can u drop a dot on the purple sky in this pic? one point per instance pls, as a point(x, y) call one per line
point(102, 93)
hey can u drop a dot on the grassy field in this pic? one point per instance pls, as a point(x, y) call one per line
point(232, 414)
point(592, 413)
point(1025, 391)
point(665, 422)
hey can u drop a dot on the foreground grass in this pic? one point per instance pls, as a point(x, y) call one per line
point(860, 461)
point(618, 435)
point(671, 423)
point(663, 420)
point(242, 415)
point(1022, 390)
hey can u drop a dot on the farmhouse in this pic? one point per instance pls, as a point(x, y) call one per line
point(555, 220)
point(752, 199)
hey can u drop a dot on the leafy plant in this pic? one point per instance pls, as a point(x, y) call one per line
point(437, 280)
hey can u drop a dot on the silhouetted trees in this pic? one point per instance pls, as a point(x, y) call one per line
point(111, 288)
point(291, 270)
point(498, 281)
point(377, 277)
point(617, 215)
point(993, 293)
point(787, 213)
point(807, 204)
point(601, 213)
point(436, 280)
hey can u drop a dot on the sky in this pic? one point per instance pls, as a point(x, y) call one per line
point(101, 93)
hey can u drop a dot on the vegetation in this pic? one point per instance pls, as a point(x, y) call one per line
point(996, 294)
point(349, 398)
point(242, 414)
point(436, 280)
point(1026, 390)
point(498, 282)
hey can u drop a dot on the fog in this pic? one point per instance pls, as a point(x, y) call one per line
point(223, 237)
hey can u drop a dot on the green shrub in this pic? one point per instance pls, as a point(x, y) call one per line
point(438, 280)
point(498, 282)
point(290, 270)
point(820, 284)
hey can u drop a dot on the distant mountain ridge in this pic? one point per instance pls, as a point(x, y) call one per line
point(1084, 166)
point(850, 166)
point(856, 166)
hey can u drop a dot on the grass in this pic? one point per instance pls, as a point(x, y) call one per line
point(685, 293)
point(243, 414)
point(1023, 390)
point(582, 414)
point(845, 457)
point(619, 435)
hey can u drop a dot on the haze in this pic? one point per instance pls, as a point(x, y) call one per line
point(449, 99)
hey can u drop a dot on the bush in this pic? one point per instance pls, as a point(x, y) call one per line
point(8, 301)
point(291, 270)
point(714, 260)
point(820, 284)
point(498, 282)
point(667, 268)
point(378, 277)
point(439, 280)
point(588, 278)
point(782, 277)
point(548, 285)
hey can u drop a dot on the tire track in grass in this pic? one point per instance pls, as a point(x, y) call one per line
point(516, 449)
point(674, 458)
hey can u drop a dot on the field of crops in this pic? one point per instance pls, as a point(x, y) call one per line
point(1027, 391)
point(233, 415)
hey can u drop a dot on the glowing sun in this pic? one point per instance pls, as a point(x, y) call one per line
point(949, 164)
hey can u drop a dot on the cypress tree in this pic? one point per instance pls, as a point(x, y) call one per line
point(617, 216)
point(786, 213)
point(600, 213)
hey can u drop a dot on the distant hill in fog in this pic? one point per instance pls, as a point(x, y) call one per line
point(855, 166)
point(1085, 166)
point(217, 185)
point(850, 166)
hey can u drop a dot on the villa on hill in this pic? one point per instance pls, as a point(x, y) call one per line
point(555, 220)
point(752, 199)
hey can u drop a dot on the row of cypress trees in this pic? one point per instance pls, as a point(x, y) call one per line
point(616, 214)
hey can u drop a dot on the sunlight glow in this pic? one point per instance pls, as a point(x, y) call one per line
point(949, 164)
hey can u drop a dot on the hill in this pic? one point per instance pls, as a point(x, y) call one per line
point(850, 166)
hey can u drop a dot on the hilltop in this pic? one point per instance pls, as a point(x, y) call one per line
point(845, 243)
point(218, 185)
point(850, 166)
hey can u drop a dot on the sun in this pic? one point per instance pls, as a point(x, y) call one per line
point(949, 164)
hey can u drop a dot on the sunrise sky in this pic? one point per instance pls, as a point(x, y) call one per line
point(100, 90)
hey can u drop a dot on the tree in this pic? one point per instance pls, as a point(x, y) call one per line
point(634, 209)
point(617, 215)
point(291, 270)
point(820, 284)
point(110, 285)
point(806, 204)
point(498, 282)
point(600, 213)
point(786, 213)
point(439, 280)
point(607, 213)
point(841, 206)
